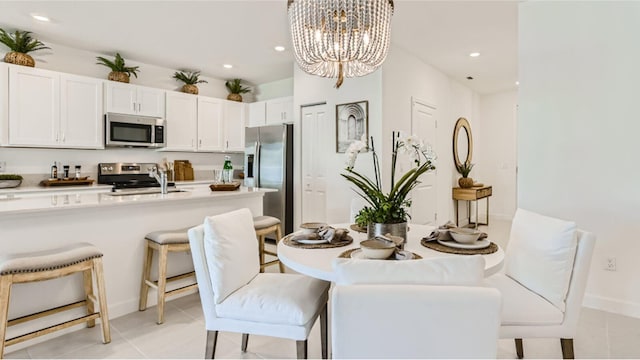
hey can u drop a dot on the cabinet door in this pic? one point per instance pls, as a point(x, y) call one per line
point(150, 102)
point(274, 112)
point(257, 114)
point(120, 98)
point(81, 123)
point(4, 104)
point(234, 125)
point(287, 109)
point(34, 106)
point(182, 118)
point(210, 126)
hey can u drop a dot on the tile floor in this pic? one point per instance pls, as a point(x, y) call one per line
point(182, 336)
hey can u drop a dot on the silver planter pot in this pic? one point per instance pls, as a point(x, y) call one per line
point(397, 229)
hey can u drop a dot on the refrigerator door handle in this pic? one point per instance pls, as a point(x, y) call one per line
point(257, 164)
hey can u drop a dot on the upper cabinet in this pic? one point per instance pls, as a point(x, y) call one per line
point(182, 118)
point(50, 109)
point(234, 121)
point(129, 99)
point(257, 114)
point(271, 112)
point(4, 104)
point(210, 124)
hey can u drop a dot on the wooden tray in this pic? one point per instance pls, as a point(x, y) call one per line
point(234, 185)
point(67, 182)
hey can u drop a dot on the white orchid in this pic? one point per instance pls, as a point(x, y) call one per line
point(413, 146)
point(354, 149)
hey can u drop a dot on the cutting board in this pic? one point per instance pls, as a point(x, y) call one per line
point(183, 170)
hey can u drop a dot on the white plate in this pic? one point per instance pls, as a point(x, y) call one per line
point(311, 242)
point(404, 255)
point(480, 244)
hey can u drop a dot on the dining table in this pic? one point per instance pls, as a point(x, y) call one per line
point(318, 262)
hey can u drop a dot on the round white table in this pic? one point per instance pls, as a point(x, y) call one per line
point(318, 263)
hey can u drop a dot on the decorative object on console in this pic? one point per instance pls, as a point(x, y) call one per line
point(465, 181)
point(119, 71)
point(10, 181)
point(352, 123)
point(20, 43)
point(339, 39)
point(388, 208)
point(235, 89)
point(190, 79)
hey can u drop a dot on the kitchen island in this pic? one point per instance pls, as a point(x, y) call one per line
point(115, 224)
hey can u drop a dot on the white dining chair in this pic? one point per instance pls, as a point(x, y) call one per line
point(543, 284)
point(433, 308)
point(236, 297)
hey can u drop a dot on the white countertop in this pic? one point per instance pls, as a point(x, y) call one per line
point(76, 198)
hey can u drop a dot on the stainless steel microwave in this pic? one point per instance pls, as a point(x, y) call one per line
point(134, 131)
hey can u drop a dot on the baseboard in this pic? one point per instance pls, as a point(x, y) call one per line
point(612, 305)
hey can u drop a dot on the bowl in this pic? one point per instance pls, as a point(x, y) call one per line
point(465, 236)
point(377, 248)
point(311, 227)
point(5, 184)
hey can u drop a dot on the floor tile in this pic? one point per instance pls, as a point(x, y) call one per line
point(80, 339)
point(19, 354)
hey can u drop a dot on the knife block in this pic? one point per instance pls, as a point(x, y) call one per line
point(183, 170)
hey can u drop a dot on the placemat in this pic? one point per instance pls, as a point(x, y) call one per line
point(344, 242)
point(347, 255)
point(357, 228)
point(434, 245)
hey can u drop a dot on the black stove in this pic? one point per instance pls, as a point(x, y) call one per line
point(127, 177)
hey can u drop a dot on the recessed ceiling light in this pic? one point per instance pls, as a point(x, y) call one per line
point(40, 17)
point(227, 66)
point(279, 48)
point(517, 83)
point(474, 54)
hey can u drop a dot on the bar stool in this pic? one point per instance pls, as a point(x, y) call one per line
point(47, 265)
point(164, 242)
point(265, 225)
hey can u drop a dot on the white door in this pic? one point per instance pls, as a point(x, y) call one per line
point(423, 124)
point(81, 123)
point(315, 135)
point(120, 98)
point(234, 125)
point(150, 102)
point(210, 127)
point(182, 118)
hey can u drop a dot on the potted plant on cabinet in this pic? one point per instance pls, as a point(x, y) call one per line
point(190, 79)
point(20, 43)
point(235, 89)
point(119, 71)
point(464, 169)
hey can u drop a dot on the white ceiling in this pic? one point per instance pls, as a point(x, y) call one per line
point(206, 34)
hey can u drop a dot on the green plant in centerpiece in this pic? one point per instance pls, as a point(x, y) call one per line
point(20, 43)
point(190, 79)
point(235, 89)
point(119, 71)
point(10, 177)
point(391, 207)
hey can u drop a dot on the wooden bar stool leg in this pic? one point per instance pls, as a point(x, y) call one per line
point(278, 237)
point(162, 281)
point(261, 250)
point(102, 298)
point(146, 275)
point(87, 275)
point(5, 292)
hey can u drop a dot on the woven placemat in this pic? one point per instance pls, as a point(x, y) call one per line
point(344, 242)
point(347, 255)
point(357, 228)
point(434, 245)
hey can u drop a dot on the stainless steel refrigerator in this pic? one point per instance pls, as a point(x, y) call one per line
point(268, 163)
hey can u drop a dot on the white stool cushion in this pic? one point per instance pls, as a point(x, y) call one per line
point(276, 299)
point(520, 306)
point(262, 222)
point(454, 270)
point(232, 251)
point(48, 259)
point(540, 254)
point(178, 236)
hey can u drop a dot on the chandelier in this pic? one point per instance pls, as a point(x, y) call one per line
point(340, 38)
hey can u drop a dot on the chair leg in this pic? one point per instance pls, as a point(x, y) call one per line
point(102, 298)
point(519, 349)
point(5, 292)
point(278, 237)
point(245, 342)
point(323, 331)
point(88, 293)
point(162, 281)
point(210, 349)
point(301, 349)
point(567, 348)
point(261, 251)
point(146, 275)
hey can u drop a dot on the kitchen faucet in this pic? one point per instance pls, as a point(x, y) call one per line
point(161, 176)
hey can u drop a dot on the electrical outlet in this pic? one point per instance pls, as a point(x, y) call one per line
point(610, 264)
point(3, 166)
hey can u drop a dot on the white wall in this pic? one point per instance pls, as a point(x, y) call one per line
point(274, 89)
point(496, 149)
point(578, 132)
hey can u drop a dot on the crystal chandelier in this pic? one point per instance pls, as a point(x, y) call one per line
point(340, 38)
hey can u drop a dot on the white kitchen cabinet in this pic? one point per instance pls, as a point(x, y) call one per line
point(182, 121)
point(4, 104)
point(257, 114)
point(210, 124)
point(129, 99)
point(279, 110)
point(234, 125)
point(81, 111)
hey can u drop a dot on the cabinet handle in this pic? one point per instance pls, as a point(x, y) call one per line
point(139, 107)
point(200, 142)
point(64, 138)
point(134, 106)
point(227, 144)
point(57, 136)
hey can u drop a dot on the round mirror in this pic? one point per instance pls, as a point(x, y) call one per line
point(462, 142)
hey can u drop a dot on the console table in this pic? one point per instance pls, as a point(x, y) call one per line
point(472, 194)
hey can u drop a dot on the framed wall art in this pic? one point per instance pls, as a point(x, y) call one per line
point(352, 121)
